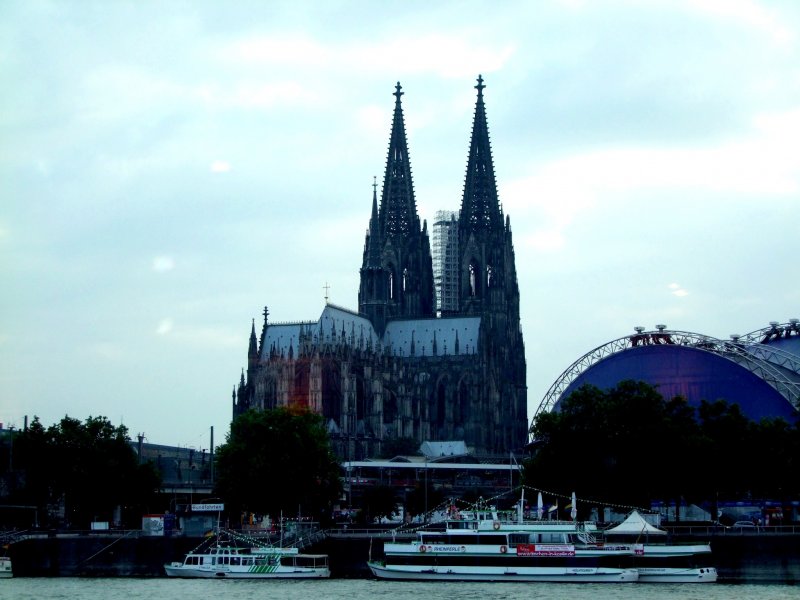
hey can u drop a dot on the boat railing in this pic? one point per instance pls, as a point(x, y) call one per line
point(587, 538)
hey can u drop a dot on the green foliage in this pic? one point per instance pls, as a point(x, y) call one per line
point(90, 467)
point(628, 445)
point(278, 460)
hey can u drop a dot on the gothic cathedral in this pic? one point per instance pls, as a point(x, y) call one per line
point(404, 369)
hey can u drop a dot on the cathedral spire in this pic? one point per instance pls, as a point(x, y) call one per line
point(373, 258)
point(398, 212)
point(252, 351)
point(480, 210)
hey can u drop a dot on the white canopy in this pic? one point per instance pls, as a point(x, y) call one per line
point(635, 524)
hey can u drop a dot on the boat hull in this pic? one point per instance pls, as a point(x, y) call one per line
point(667, 575)
point(222, 572)
point(519, 574)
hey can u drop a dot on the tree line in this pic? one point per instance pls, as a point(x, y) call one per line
point(629, 445)
point(73, 472)
point(626, 445)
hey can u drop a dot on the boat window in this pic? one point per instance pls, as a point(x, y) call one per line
point(517, 538)
point(493, 540)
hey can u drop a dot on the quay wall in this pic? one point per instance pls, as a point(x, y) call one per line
point(751, 558)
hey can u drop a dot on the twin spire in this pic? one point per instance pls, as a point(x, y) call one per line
point(398, 213)
point(397, 216)
point(480, 209)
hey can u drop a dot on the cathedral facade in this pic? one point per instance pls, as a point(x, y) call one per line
point(398, 371)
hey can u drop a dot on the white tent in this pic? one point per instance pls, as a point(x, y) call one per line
point(635, 524)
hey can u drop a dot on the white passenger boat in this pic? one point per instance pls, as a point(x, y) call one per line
point(232, 560)
point(5, 567)
point(489, 546)
point(659, 561)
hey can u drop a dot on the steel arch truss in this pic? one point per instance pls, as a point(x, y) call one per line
point(778, 368)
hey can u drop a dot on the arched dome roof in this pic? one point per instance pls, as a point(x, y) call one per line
point(759, 372)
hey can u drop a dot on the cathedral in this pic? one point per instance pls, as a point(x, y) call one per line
point(404, 368)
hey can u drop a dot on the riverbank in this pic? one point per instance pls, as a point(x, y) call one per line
point(752, 558)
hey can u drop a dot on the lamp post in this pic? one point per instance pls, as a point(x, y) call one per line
point(426, 489)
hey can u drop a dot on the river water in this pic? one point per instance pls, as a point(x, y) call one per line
point(71, 588)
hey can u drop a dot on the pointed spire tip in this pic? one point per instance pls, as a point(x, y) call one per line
point(480, 85)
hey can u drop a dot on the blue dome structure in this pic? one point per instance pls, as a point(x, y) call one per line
point(759, 371)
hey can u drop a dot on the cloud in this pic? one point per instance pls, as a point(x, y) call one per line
point(165, 326)
point(200, 336)
point(162, 264)
point(107, 350)
point(747, 13)
point(210, 337)
point(220, 166)
point(447, 55)
point(677, 290)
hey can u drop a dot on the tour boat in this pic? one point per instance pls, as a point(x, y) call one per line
point(658, 561)
point(489, 546)
point(229, 560)
point(5, 567)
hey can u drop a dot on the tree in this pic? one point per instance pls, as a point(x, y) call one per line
point(628, 445)
point(602, 441)
point(89, 468)
point(276, 461)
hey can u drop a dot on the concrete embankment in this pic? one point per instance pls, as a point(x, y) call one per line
point(746, 558)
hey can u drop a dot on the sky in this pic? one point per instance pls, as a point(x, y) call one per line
point(167, 169)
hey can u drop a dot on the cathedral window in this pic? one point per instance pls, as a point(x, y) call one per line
point(391, 286)
point(489, 276)
point(473, 280)
point(405, 279)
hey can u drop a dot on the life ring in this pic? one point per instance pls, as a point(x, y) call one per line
point(463, 548)
point(422, 548)
point(503, 549)
point(496, 525)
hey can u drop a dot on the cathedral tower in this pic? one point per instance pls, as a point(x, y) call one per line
point(393, 371)
point(397, 270)
point(488, 281)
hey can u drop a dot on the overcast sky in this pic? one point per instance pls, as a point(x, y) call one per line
point(169, 168)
